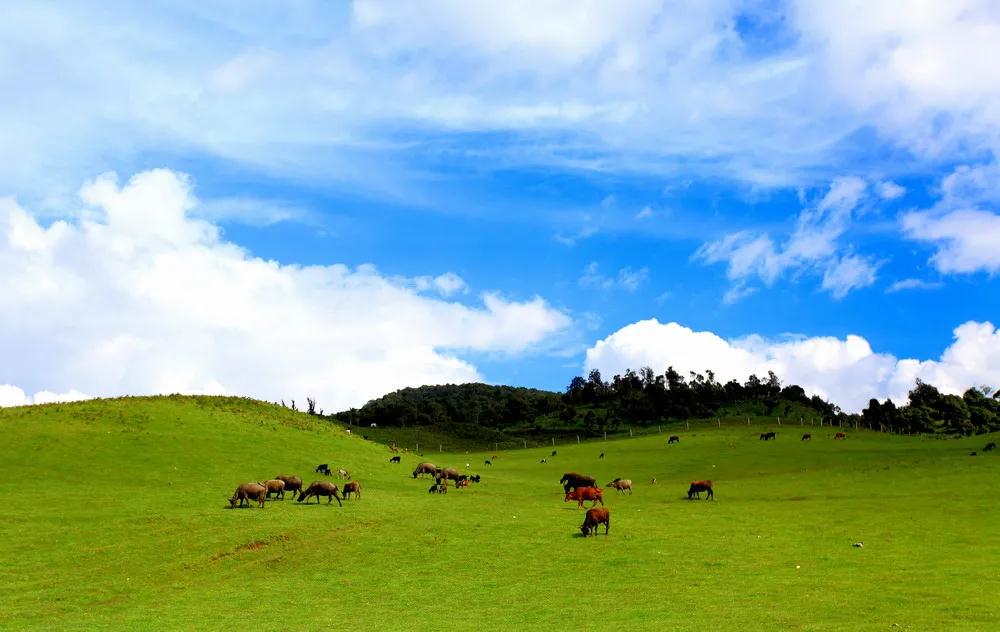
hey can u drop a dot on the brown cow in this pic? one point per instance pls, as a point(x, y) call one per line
point(448, 473)
point(595, 517)
point(425, 468)
point(353, 487)
point(321, 488)
point(276, 487)
point(462, 483)
point(840, 435)
point(807, 436)
point(292, 483)
point(580, 494)
point(622, 485)
point(700, 486)
point(572, 480)
point(247, 492)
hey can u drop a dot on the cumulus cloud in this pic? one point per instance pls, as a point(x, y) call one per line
point(812, 247)
point(888, 190)
point(846, 371)
point(137, 295)
point(963, 226)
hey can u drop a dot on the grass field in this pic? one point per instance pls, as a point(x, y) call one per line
point(114, 519)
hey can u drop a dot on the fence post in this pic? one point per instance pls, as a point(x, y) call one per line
point(687, 424)
point(779, 420)
point(720, 421)
point(748, 421)
point(578, 439)
point(440, 448)
point(801, 423)
point(630, 431)
point(525, 443)
point(605, 435)
point(418, 447)
point(659, 430)
point(553, 442)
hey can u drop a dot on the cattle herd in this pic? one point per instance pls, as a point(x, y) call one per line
point(577, 487)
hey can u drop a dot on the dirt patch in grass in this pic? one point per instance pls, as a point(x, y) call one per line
point(254, 545)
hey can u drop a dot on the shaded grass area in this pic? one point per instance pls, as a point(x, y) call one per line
point(115, 520)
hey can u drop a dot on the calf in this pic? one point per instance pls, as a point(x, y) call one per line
point(395, 459)
point(353, 487)
point(700, 486)
point(323, 468)
point(343, 474)
point(840, 435)
point(462, 483)
point(596, 516)
point(674, 439)
point(321, 488)
point(581, 494)
point(622, 485)
point(247, 492)
point(989, 446)
point(440, 487)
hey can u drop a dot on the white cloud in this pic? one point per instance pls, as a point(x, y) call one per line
point(888, 190)
point(812, 246)
point(645, 213)
point(13, 396)
point(627, 279)
point(913, 284)
point(138, 296)
point(846, 371)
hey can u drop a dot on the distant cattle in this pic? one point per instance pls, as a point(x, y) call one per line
point(989, 447)
point(323, 468)
point(602, 456)
point(572, 480)
point(972, 453)
point(344, 474)
point(700, 486)
point(596, 516)
point(488, 462)
point(353, 487)
point(767, 436)
point(807, 436)
point(321, 488)
point(622, 485)
point(275, 486)
point(582, 494)
point(553, 453)
point(440, 487)
point(425, 468)
point(840, 435)
point(462, 483)
point(543, 461)
point(652, 481)
point(448, 473)
point(292, 483)
point(247, 492)
point(395, 459)
point(674, 439)
point(474, 478)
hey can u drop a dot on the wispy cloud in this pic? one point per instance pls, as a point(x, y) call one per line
point(627, 279)
point(913, 284)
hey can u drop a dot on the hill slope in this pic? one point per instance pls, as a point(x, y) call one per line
point(114, 520)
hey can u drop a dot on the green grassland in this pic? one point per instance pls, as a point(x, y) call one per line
point(114, 518)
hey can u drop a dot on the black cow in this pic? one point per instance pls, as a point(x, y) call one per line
point(989, 446)
point(394, 459)
point(674, 439)
point(323, 468)
point(767, 436)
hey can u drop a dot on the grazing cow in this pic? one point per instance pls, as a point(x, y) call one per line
point(275, 486)
point(393, 448)
point(572, 480)
point(602, 456)
point(700, 486)
point(395, 459)
point(448, 473)
point(475, 478)
point(652, 481)
point(440, 487)
point(543, 461)
point(622, 485)
point(343, 474)
point(247, 492)
point(596, 516)
point(581, 494)
point(292, 483)
point(323, 468)
point(553, 453)
point(425, 468)
point(807, 436)
point(488, 462)
point(767, 436)
point(840, 435)
point(365, 437)
point(989, 446)
point(673, 439)
point(972, 454)
point(321, 488)
point(353, 487)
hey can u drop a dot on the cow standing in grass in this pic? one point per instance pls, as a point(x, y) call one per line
point(768, 436)
point(807, 436)
point(989, 446)
point(276, 487)
point(353, 487)
point(321, 488)
point(622, 485)
point(673, 439)
point(425, 468)
point(596, 516)
point(581, 494)
point(700, 486)
point(395, 459)
point(323, 468)
point(572, 480)
point(840, 435)
point(247, 492)
point(293, 484)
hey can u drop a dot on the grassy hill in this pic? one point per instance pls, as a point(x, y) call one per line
point(115, 519)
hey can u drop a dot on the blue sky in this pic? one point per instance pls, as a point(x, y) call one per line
point(340, 199)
